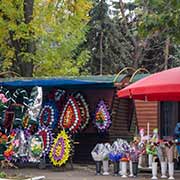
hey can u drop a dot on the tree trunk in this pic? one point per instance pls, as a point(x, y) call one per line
point(101, 52)
point(166, 52)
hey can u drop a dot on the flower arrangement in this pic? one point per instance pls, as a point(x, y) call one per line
point(84, 110)
point(13, 146)
point(48, 115)
point(36, 148)
point(60, 150)
point(3, 139)
point(46, 135)
point(3, 100)
point(70, 118)
point(102, 117)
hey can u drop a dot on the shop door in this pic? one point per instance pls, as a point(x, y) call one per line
point(169, 116)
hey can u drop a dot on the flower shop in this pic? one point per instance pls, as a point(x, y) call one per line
point(48, 120)
point(42, 119)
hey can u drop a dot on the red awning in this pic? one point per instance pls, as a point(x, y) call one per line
point(162, 86)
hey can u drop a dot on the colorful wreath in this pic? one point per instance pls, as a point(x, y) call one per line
point(60, 150)
point(46, 135)
point(70, 118)
point(11, 152)
point(36, 147)
point(84, 110)
point(102, 117)
point(48, 115)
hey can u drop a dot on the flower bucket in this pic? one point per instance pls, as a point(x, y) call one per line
point(98, 167)
point(131, 169)
point(135, 168)
point(116, 168)
point(154, 170)
point(163, 169)
point(124, 169)
point(171, 170)
point(150, 160)
point(105, 167)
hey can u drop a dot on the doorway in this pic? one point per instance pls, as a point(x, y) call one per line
point(169, 116)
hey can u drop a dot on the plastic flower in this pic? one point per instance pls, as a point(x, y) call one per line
point(3, 139)
point(102, 117)
point(60, 150)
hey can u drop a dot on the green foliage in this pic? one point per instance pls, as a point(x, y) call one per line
point(48, 40)
point(3, 175)
point(115, 47)
point(160, 16)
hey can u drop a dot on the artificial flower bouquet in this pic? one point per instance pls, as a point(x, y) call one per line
point(3, 101)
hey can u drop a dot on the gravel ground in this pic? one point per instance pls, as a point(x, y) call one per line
point(79, 172)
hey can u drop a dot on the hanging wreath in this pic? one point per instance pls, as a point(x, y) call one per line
point(36, 147)
point(59, 97)
point(60, 150)
point(84, 110)
point(46, 135)
point(35, 103)
point(102, 117)
point(48, 115)
point(70, 118)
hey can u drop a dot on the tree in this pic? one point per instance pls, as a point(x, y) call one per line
point(38, 37)
point(151, 48)
point(106, 42)
point(161, 18)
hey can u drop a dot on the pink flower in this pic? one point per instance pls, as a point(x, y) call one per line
point(2, 96)
point(4, 100)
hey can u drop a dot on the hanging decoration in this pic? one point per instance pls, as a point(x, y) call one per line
point(17, 148)
point(48, 115)
point(36, 147)
point(60, 150)
point(20, 96)
point(20, 103)
point(35, 103)
point(13, 145)
point(46, 135)
point(84, 110)
point(59, 97)
point(4, 103)
point(102, 117)
point(70, 118)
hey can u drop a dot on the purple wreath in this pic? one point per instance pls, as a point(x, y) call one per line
point(60, 141)
point(101, 111)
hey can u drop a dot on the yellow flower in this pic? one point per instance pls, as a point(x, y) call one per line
point(58, 149)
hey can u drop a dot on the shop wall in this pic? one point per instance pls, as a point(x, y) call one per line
point(86, 140)
point(122, 117)
point(147, 111)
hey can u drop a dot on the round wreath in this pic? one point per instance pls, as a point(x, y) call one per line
point(60, 150)
point(46, 135)
point(70, 118)
point(102, 117)
point(48, 115)
point(84, 110)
